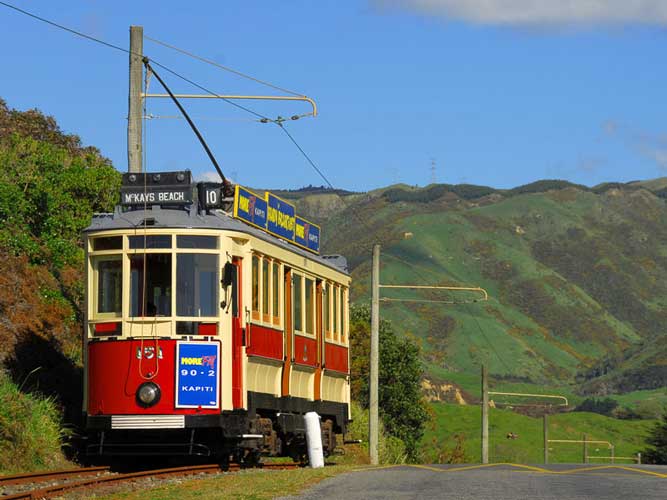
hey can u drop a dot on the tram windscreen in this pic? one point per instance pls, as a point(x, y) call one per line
point(197, 285)
point(150, 295)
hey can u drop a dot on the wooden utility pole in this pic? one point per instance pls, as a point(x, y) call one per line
point(134, 114)
point(375, 356)
point(545, 423)
point(485, 416)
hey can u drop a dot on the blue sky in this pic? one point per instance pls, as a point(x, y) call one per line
point(498, 93)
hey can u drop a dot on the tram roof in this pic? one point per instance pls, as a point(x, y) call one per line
point(179, 218)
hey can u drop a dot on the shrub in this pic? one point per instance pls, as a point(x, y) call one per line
point(402, 408)
point(391, 449)
point(656, 453)
point(30, 432)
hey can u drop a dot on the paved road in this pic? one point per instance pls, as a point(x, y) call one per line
point(496, 482)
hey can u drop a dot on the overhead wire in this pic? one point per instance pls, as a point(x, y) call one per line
point(225, 68)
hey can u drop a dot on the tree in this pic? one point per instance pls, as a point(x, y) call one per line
point(402, 407)
point(656, 453)
point(50, 186)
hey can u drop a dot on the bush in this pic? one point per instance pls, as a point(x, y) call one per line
point(546, 185)
point(656, 453)
point(30, 432)
point(391, 449)
point(602, 406)
point(402, 408)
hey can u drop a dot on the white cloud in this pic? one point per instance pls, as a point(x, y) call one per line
point(652, 146)
point(210, 176)
point(539, 12)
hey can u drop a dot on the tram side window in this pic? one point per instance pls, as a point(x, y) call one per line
point(326, 297)
point(265, 290)
point(276, 292)
point(344, 319)
point(150, 294)
point(298, 303)
point(336, 309)
point(310, 306)
point(197, 279)
point(255, 287)
point(109, 286)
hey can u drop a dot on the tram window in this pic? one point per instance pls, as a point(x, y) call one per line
point(310, 307)
point(255, 287)
point(197, 284)
point(151, 241)
point(202, 242)
point(154, 288)
point(335, 312)
point(298, 304)
point(109, 286)
point(276, 293)
point(108, 243)
point(326, 298)
point(265, 290)
point(344, 309)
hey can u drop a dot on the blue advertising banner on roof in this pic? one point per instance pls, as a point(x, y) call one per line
point(275, 216)
point(250, 207)
point(307, 235)
point(281, 219)
point(197, 374)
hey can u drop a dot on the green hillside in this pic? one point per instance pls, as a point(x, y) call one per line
point(451, 420)
point(577, 278)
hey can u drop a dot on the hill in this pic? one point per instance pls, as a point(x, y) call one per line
point(577, 278)
point(455, 420)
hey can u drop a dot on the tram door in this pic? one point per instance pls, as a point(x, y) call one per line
point(237, 335)
point(288, 338)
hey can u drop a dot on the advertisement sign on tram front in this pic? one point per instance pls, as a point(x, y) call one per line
point(197, 374)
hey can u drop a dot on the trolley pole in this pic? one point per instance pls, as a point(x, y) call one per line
point(546, 438)
point(375, 355)
point(134, 114)
point(485, 416)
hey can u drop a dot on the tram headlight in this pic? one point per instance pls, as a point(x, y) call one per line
point(148, 394)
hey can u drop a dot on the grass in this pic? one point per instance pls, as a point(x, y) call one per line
point(451, 420)
point(30, 430)
point(246, 485)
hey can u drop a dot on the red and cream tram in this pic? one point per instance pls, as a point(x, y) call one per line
point(212, 325)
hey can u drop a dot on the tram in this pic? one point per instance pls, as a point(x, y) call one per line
point(212, 324)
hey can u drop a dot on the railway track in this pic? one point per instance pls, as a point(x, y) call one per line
point(104, 477)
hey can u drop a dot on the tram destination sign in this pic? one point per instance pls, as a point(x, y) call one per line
point(277, 217)
point(158, 188)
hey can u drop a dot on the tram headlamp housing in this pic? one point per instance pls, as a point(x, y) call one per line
point(148, 394)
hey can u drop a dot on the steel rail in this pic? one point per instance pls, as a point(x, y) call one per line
point(41, 476)
point(60, 489)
